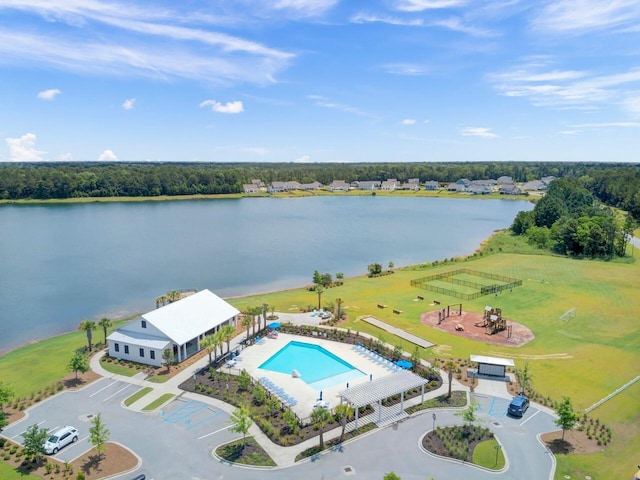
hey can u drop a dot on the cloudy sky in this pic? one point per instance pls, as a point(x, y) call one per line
point(320, 80)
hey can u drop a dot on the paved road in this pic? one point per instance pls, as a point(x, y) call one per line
point(176, 442)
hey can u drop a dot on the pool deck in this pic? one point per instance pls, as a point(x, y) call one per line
point(252, 357)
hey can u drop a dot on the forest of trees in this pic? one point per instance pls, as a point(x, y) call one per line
point(571, 221)
point(614, 184)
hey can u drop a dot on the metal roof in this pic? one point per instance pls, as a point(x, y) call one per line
point(385, 387)
point(505, 362)
point(139, 339)
point(185, 319)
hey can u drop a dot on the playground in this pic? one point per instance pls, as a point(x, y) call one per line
point(475, 326)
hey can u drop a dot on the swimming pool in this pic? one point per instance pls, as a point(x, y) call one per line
point(317, 366)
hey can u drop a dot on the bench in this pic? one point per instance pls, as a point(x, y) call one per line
point(436, 302)
point(381, 305)
point(397, 312)
point(420, 298)
point(459, 327)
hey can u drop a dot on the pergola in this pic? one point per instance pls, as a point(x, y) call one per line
point(379, 389)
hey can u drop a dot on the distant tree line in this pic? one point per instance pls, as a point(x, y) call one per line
point(570, 220)
point(74, 180)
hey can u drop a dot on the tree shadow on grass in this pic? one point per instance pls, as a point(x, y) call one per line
point(559, 446)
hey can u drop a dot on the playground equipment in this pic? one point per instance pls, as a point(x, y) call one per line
point(445, 312)
point(492, 321)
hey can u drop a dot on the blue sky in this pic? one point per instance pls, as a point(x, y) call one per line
point(320, 80)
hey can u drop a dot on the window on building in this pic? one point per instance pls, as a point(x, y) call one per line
point(152, 354)
point(126, 349)
point(144, 324)
point(142, 352)
point(116, 347)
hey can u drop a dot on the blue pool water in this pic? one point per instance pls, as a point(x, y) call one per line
point(317, 366)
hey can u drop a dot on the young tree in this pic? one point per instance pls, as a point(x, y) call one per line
point(241, 422)
point(317, 277)
point(6, 393)
point(105, 323)
point(33, 441)
point(391, 265)
point(88, 326)
point(291, 420)
point(391, 476)
point(273, 405)
point(78, 363)
point(339, 303)
point(244, 380)
point(259, 395)
point(167, 358)
point(469, 414)
point(415, 356)
point(375, 269)
point(344, 412)
point(524, 377)
point(320, 417)
point(3, 420)
point(98, 434)
point(339, 275)
point(567, 418)
point(326, 280)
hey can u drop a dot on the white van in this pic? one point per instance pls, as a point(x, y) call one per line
point(60, 438)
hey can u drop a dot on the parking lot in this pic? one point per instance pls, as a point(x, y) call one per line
point(173, 442)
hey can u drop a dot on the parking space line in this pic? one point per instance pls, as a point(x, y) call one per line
point(103, 388)
point(213, 433)
point(18, 434)
point(71, 445)
point(186, 411)
point(204, 420)
point(530, 418)
point(113, 395)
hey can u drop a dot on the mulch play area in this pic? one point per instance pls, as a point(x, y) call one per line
point(463, 325)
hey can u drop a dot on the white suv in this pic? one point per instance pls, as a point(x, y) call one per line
point(60, 438)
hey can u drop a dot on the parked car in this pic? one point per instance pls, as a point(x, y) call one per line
point(60, 438)
point(518, 406)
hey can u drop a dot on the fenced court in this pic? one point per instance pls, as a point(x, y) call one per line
point(466, 284)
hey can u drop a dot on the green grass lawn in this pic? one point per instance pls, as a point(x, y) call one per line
point(7, 472)
point(119, 369)
point(586, 358)
point(158, 402)
point(485, 455)
point(137, 396)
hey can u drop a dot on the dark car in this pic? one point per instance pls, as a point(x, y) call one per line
point(518, 406)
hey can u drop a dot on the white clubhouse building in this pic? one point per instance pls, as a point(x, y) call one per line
point(179, 326)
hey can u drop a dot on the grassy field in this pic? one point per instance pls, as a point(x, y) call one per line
point(137, 396)
point(158, 402)
point(585, 358)
point(485, 455)
point(7, 472)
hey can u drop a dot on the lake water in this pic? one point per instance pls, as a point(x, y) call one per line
point(60, 264)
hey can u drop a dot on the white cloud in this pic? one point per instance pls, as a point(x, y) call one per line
point(49, 94)
point(229, 107)
point(478, 132)
point(408, 121)
point(410, 69)
point(586, 16)
point(570, 132)
point(23, 149)
point(608, 124)
point(426, 121)
point(457, 25)
point(65, 157)
point(368, 18)
point(107, 156)
point(302, 159)
point(632, 105)
point(140, 42)
point(324, 103)
point(128, 103)
point(303, 7)
point(421, 5)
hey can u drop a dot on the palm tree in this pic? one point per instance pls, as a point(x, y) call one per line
point(217, 342)
point(105, 323)
point(88, 326)
point(320, 417)
point(265, 307)
point(319, 291)
point(339, 303)
point(209, 343)
point(247, 320)
point(344, 412)
point(227, 332)
point(173, 296)
point(450, 367)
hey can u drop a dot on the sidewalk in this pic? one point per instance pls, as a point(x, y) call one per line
point(282, 456)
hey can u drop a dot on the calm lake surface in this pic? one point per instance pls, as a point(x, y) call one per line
point(60, 264)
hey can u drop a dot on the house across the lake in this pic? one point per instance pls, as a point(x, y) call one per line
point(179, 326)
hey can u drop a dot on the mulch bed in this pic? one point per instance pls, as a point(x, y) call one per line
point(520, 334)
point(432, 442)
